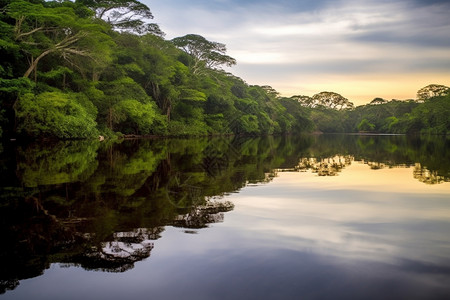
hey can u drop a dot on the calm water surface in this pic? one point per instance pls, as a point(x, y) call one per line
point(312, 217)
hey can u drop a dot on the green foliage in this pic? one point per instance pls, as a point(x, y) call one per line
point(15, 86)
point(191, 128)
point(125, 87)
point(301, 115)
point(127, 15)
point(389, 124)
point(431, 117)
point(58, 163)
point(385, 117)
point(247, 124)
point(365, 125)
point(55, 31)
point(125, 106)
point(400, 117)
point(55, 115)
point(135, 117)
point(431, 91)
point(91, 191)
point(203, 53)
point(192, 95)
point(125, 82)
point(73, 69)
point(328, 120)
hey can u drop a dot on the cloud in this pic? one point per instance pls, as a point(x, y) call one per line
point(289, 40)
point(420, 26)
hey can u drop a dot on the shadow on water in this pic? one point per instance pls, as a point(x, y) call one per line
point(100, 205)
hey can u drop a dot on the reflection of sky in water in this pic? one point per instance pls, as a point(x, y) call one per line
point(348, 221)
point(364, 234)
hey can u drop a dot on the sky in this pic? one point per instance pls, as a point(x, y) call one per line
point(361, 49)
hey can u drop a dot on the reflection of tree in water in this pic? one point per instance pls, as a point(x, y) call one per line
point(29, 234)
point(426, 176)
point(202, 215)
point(56, 163)
point(120, 252)
point(420, 173)
point(35, 239)
point(85, 201)
point(376, 165)
point(181, 193)
point(329, 166)
point(388, 151)
point(123, 249)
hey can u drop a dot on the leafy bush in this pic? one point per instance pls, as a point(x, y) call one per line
point(135, 117)
point(193, 128)
point(55, 115)
point(365, 125)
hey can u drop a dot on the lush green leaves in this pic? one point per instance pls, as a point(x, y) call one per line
point(54, 115)
point(365, 125)
point(72, 69)
point(130, 15)
point(203, 53)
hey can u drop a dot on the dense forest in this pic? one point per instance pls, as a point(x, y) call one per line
point(429, 114)
point(91, 67)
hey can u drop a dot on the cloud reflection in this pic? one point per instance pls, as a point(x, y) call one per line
point(368, 215)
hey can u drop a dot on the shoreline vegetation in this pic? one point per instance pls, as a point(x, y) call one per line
point(92, 69)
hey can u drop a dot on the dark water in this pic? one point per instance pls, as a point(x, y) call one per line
point(310, 217)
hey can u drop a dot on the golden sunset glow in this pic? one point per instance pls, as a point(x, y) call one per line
point(359, 88)
point(359, 176)
point(359, 49)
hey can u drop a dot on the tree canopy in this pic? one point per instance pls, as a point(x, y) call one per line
point(432, 90)
point(203, 53)
point(89, 67)
point(129, 15)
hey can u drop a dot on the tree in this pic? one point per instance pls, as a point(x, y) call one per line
point(365, 125)
point(295, 108)
point(204, 54)
point(432, 90)
point(135, 117)
point(332, 100)
point(431, 116)
point(58, 49)
point(112, 112)
point(377, 101)
point(271, 91)
point(41, 31)
point(305, 101)
point(128, 15)
point(56, 115)
point(326, 99)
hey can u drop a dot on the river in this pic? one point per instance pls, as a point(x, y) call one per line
point(292, 217)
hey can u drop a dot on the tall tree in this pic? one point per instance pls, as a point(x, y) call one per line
point(128, 15)
point(332, 100)
point(432, 90)
point(41, 31)
point(204, 54)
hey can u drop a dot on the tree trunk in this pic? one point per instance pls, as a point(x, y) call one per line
point(34, 62)
point(110, 118)
point(169, 110)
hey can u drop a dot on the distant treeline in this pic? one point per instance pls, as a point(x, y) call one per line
point(399, 117)
point(90, 67)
